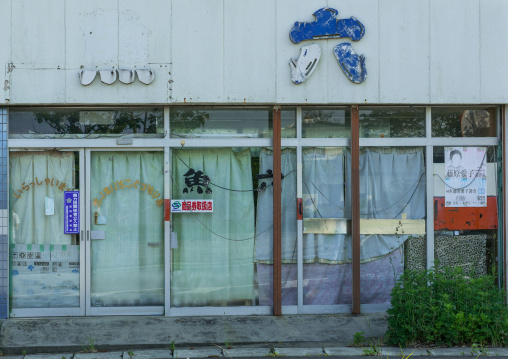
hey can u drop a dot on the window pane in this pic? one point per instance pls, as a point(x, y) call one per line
point(45, 261)
point(327, 266)
point(213, 252)
point(188, 122)
point(127, 232)
point(388, 122)
point(392, 212)
point(225, 257)
point(463, 122)
point(264, 229)
point(326, 122)
point(73, 123)
point(466, 202)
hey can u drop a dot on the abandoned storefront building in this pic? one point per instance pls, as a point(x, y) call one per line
point(246, 157)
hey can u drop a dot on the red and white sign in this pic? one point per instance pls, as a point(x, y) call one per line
point(191, 205)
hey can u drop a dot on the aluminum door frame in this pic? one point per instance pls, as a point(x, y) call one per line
point(100, 311)
point(66, 311)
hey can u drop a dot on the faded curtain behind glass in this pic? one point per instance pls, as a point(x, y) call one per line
point(392, 184)
point(44, 261)
point(323, 197)
point(126, 192)
point(327, 268)
point(264, 218)
point(264, 229)
point(212, 256)
point(33, 177)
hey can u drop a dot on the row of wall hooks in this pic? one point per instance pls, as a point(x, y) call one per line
point(109, 76)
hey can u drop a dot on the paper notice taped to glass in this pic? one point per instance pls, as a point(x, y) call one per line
point(50, 206)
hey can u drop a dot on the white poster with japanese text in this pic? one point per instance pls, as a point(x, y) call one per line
point(465, 176)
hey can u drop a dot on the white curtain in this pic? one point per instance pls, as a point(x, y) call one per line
point(392, 183)
point(323, 188)
point(213, 263)
point(35, 176)
point(128, 263)
point(323, 197)
point(44, 261)
point(264, 229)
point(264, 215)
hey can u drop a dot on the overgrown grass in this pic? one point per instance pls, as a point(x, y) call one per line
point(445, 307)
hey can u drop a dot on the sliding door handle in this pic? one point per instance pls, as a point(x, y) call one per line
point(87, 235)
point(82, 238)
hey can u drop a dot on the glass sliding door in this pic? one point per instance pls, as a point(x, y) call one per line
point(392, 212)
point(393, 194)
point(46, 255)
point(221, 259)
point(264, 229)
point(213, 247)
point(326, 237)
point(467, 190)
point(326, 248)
point(126, 232)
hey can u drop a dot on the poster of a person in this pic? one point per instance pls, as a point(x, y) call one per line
point(465, 177)
point(455, 169)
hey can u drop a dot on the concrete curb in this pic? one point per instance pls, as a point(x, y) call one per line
point(394, 351)
point(108, 355)
point(246, 352)
point(49, 356)
point(150, 354)
point(343, 351)
point(298, 352)
point(198, 353)
point(70, 334)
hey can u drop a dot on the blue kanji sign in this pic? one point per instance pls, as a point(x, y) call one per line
point(71, 212)
point(327, 25)
point(352, 65)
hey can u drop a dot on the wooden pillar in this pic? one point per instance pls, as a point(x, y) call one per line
point(355, 205)
point(277, 277)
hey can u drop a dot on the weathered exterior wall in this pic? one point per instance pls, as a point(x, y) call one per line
point(237, 51)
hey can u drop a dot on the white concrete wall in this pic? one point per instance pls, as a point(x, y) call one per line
point(237, 51)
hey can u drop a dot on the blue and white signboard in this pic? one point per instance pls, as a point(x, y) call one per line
point(71, 212)
point(327, 25)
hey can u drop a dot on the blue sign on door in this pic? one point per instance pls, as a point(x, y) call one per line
point(71, 212)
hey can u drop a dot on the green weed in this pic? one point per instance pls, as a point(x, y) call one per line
point(173, 349)
point(274, 354)
point(228, 344)
point(358, 339)
point(90, 346)
point(447, 307)
point(479, 350)
point(374, 348)
point(371, 351)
